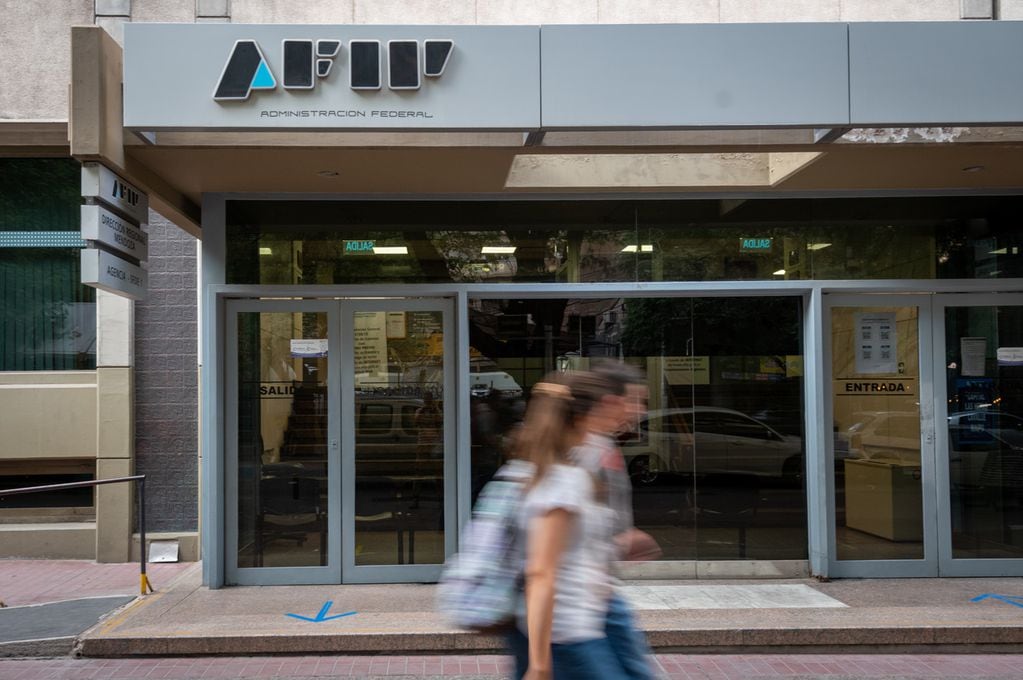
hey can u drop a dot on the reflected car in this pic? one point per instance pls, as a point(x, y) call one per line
point(709, 440)
point(986, 456)
point(882, 435)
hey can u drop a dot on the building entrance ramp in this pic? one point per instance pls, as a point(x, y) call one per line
point(882, 615)
point(48, 603)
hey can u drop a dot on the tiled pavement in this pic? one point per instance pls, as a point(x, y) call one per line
point(35, 581)
point(669, 666)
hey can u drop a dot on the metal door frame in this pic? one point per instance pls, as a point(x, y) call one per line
point(331, 573)
point(892, 568)
point(948, 566)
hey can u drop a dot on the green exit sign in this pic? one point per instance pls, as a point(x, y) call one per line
point(359, 247)
point(755, 245)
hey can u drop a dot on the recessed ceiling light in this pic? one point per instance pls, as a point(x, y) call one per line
point(327, 173)
point(817, 246)
point(390, 250)
point(646, 248)
point(266, 251)
point(498, 250)
point(973, 168)
point(630, 249)
point(780, 272)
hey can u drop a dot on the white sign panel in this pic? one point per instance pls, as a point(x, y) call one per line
point(1010, 356)
point(104, 185)
point(309, 348)
point(108, 272)
point(876, 343)
point(331, 77)
point(107, 228)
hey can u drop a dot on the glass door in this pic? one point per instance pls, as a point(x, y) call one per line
point(881, 494)
point(979, 401)
point(283, 461)
point(398, 439)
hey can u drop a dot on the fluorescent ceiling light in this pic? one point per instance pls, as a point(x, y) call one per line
point(780, 272)
point(265, 251)
point(644, 248)
point(1000, 251)
point(630, 249)
point(498, 250)
point(817, 246)
point(390, 250)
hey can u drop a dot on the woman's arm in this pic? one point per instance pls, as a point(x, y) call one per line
point(548, 536)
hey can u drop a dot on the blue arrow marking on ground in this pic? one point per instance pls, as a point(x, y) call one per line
point(1014, 600)
point(322, 616)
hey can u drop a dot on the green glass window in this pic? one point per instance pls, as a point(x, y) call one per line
point(48, 318)
point(513, 241)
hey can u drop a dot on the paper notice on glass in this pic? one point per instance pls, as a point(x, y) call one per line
point(371, 343)
point(876, 343)
point(973, 351)
point(309, 348)
point(395, 325)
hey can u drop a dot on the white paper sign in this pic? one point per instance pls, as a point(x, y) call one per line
point(371, 343)
point(973, 351)
point(687, 370)
point(396, 325)
point(876, 343)
point(309, 347)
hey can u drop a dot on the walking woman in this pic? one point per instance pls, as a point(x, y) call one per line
point(568, 539)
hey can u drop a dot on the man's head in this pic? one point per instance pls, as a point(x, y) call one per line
point(627, 382)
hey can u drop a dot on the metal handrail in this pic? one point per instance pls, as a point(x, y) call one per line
point(144, 584)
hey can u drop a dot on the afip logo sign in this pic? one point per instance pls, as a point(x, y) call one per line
point(305, 61)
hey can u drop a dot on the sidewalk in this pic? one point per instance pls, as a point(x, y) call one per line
point(50, 602)
point(491, 667)
point(729, 617)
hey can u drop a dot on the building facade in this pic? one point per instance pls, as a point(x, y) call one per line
point(375, 226)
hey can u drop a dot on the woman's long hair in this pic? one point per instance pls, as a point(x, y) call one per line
point(552, 424)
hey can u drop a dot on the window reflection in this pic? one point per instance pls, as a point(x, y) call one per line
point(717, 461)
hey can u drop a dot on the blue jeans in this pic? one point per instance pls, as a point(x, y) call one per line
point(623, 654)
point(628, 644)
point(589, 660)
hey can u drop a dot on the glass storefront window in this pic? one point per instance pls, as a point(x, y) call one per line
point(362, 242)
point(717, 461)
point(49, 318)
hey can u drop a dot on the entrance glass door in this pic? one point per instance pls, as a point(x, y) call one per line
point(883, 520)
point(399, 439)
point(339, 440)
point(980, 441)
point(282, 462)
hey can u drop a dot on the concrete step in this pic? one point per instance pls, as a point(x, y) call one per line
point(882, 615)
